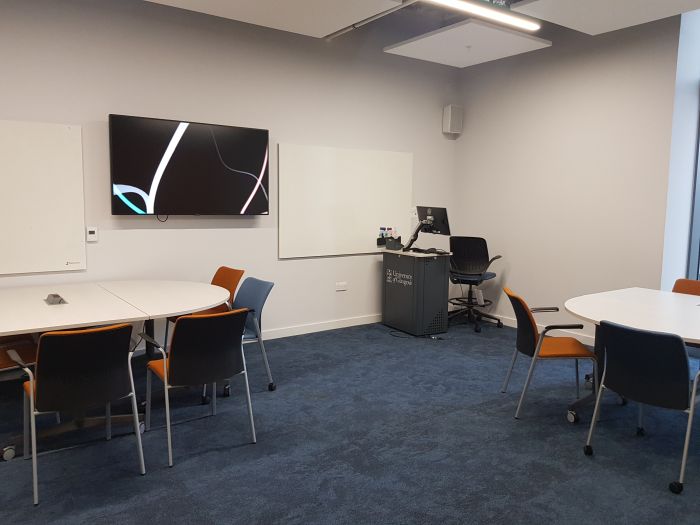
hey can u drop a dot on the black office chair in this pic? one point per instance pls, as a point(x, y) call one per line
point(468, 265)
point(650, 368)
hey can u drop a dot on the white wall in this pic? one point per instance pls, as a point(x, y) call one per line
point(72, 61)
point(683, 152)
point(563, 165)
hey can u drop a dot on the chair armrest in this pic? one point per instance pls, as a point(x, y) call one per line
point(14, 356)
point(150, 340)
point(561, 327)
point(541, 309)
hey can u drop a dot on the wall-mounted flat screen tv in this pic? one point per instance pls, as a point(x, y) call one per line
point(171, 167)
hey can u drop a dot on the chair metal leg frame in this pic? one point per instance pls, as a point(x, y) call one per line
point(527, 382)
point(677, 486)
point(27, 416)
point(213, 399)
point(167, 408)
point(149, 385)
point(588, 449)
point(510, 371)
point(271, 384)
point(578, 386)
point(247, 396)
point(535, 358)
point(135, 412)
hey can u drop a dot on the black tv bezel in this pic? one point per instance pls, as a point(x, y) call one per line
point(111, 170)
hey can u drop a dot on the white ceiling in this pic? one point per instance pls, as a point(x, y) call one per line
point(468, 43)
point(600, 16)
point(316, 18)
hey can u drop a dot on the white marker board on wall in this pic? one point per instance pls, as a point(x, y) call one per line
point(42, 224)
point(332, 201)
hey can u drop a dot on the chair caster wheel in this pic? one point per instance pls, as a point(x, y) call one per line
point(640, 431)
point(572, 416)
point(499, 324)
point(8, 453)
point(227, 390)
point(477, 329)
point(206, 400)
point(676, 487)
point(142, 427)
point(588, 450)
point(272, 387)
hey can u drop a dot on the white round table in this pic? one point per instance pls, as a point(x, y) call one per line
point(642, 308)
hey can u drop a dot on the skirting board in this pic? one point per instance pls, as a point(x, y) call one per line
point(276, 333)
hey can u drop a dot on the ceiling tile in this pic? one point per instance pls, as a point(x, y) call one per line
point(316, 18)
point(600, 16)
point(468, 43)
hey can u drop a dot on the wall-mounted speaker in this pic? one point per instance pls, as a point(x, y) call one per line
point(452, 119)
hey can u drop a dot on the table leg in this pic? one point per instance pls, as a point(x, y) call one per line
point(599, 352)
point(149, 328)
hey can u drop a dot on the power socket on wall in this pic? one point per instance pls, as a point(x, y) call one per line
point(341, 286)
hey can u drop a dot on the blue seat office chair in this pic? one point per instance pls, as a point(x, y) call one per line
point(650, 368)
point(468, 265)
point(252, 295)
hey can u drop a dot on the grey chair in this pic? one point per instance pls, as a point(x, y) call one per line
point(650, 368)
point(252, 295)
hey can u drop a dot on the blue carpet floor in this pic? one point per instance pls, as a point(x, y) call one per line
point(366, 427)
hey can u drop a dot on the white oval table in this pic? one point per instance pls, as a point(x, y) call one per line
point(24, 310)
point(641, 308)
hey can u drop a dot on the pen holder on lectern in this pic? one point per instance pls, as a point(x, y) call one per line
point(393, 244)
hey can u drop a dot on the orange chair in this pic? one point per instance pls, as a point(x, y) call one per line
point(226, 278)
point(687, 286)
point(77, 370)
point(538, 346)
point(206, 348)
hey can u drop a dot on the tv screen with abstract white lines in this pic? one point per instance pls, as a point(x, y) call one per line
point(171, 167)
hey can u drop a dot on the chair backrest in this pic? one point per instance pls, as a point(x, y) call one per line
point(470, 255)
point(252, 295)
point(79, 369)
point(526, 339)
point(228, 278)
point(647, 367)
point(206, 348)
point(687, 286)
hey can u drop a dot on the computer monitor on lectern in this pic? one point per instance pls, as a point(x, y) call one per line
point(437, 219)
point(430, 220)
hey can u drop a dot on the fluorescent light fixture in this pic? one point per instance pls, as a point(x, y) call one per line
point(501, 16)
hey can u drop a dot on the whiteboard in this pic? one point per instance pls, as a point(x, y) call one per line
point(42, 224)
point(333, 201)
